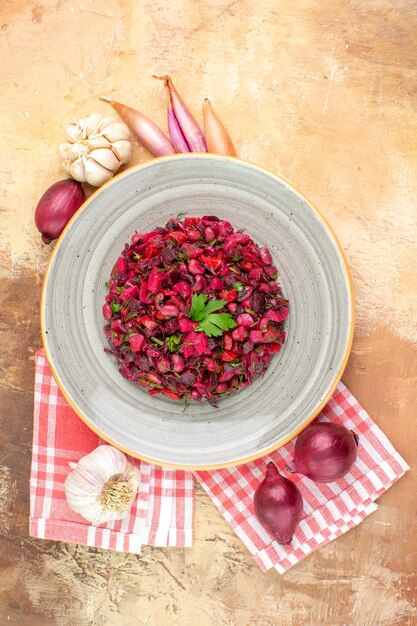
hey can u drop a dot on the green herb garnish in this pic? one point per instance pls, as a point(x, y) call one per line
point(238, 286)
point(173, 342)
point(213, 324)
point(157, 341)
point(116, 308)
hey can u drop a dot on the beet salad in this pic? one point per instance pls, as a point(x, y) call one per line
point(194, 310)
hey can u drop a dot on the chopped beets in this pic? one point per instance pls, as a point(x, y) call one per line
point(230, 295)
point(148, 304)
point(121, 265)
point(263, 324)
point(178, 363)
point(199, 342)
point(228, 356)
point(191, 222)
point(171, 326)
point(143, 293)
point(210, 364)
point(188, 350)
point(193, 235)
point(209, 234)
point(199, 284)
point(155, 280)
point(137, 342)
point(227, 375)
point(169, 310)
point(185, 324)
point(187, 378)
point(256, 336)
point(192, 251)
point(270, 270)
point(222, 388)
point(176, 235)
point(183, 289)
point(216, 284)
point(237, 239)
point(163, 365)
point(211, 263)
point(194, 267)
point(129, 293)
point(265, 256)
point(107, 312)
point(168, 254)
point(255, 273)
point(152, 352)
point(240, 333)
point(274, 347)
point(244, 319)
point(172, 395)
point(148, 322)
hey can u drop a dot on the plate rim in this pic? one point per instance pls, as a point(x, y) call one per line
point(337, 377)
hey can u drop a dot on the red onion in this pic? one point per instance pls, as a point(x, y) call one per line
point(56, 207)
point(324, 452)
point(278, 505)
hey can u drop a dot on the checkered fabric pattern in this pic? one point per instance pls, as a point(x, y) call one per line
point(162, 514)
point(329, 509)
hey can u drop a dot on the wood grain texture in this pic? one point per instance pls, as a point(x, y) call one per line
point(323, 93)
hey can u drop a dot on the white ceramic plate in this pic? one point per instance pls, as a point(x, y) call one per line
point(314, 277)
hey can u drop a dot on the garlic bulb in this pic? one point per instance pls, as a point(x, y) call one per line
point(102, 485)
point(96, 147)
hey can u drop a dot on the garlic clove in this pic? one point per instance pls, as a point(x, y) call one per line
point(92, 123)
point(63, 149)
point(96, 174)
point(77, 170)
point(67, 165)
point(76, 150)
point(73, 133)
point(106, 121)
point(106, 158)
point(116, 131)
point(98, 142)
point(123, 150)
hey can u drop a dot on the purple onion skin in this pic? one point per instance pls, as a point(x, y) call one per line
point(278, 505)
point(325, 452)
point(56, 207)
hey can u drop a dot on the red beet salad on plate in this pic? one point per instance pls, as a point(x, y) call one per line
point(194, 310)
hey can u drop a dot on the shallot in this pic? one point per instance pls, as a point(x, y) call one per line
point(217, 138)
point(148, 133)
point(177, 136)
point(278, 505)
point(56, 207)
point(191, 130)
point(325, 452)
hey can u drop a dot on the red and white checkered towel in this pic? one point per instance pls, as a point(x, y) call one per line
point(162, 514)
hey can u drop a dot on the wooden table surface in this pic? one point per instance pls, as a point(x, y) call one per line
point(323, 93)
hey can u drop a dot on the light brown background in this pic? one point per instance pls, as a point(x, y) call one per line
point(322, 92)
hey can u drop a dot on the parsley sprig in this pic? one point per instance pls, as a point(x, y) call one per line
point(213, 324)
